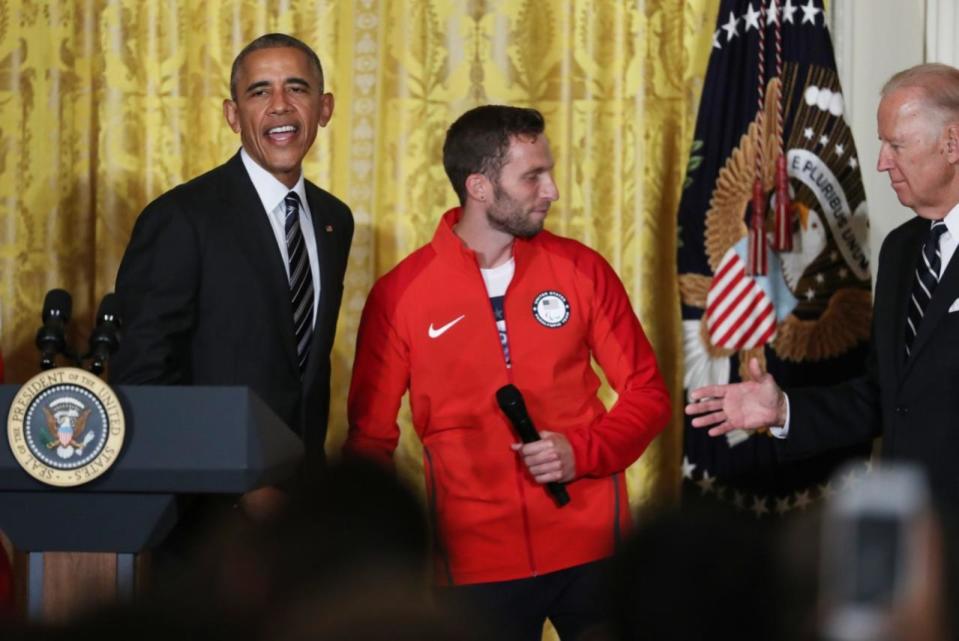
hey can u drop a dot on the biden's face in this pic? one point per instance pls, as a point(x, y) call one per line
point(914, 152)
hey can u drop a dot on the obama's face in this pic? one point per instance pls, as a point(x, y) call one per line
point(279, 106)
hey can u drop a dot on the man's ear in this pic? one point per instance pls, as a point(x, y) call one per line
point(230, 113)
point(478, 187)
point(326, 108)
point(951, 142)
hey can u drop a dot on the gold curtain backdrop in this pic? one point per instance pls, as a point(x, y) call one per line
point(105, 104)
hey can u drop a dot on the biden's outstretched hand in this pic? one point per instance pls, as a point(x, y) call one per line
point(749, 405)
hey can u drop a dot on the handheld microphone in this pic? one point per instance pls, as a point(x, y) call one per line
point(50, 338)
point(104, 339)
point(510, 400)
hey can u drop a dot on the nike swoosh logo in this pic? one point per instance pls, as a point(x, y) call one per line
point(439, 331)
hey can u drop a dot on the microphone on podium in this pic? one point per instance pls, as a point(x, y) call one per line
point(104, 339)
point(510, 400)
point(50, 337)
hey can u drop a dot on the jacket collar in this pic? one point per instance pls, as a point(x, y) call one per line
point(453, 250)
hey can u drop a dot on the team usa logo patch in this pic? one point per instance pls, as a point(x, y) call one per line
point(551, 309)
point(65, 427)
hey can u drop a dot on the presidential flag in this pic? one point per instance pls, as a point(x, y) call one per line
point(773, 252)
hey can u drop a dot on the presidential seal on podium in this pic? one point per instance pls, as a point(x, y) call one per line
point(65, 427)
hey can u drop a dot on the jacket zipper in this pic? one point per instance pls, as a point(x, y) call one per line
point(520, 472)
point(527, 536)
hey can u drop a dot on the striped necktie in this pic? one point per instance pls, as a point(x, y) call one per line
point(301, 280)
point(927, 277)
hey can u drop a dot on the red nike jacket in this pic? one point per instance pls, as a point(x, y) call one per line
point(428, 326)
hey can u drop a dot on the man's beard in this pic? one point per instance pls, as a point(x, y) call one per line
point(506, 215)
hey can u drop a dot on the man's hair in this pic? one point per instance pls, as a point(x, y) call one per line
point(478, 142)
point(274, 41)
point(939, 84)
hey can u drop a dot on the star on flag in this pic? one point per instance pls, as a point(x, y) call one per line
point(752, 18)
point(809, 12)
point(731, 27)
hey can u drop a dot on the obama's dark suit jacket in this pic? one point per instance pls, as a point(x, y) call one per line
point(205, 299)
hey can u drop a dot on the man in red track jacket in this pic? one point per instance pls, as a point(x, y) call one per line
point(494, 300)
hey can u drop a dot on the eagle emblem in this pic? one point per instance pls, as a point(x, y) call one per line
point(808, 326)
point(66, 420)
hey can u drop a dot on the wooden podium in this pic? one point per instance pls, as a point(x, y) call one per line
point(81, 542)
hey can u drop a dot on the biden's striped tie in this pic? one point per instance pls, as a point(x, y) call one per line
point(927, 277)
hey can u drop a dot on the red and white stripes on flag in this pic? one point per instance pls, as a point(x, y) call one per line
point(739, 314)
